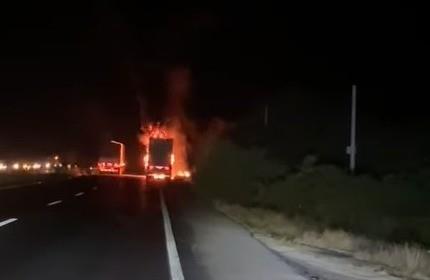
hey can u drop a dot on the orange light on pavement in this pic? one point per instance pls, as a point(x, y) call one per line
point(183, 174)
point(159, 176)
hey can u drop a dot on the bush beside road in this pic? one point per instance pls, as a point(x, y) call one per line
point(321, 198)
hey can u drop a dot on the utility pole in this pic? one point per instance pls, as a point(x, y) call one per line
point(352, 148)
point(266, 115)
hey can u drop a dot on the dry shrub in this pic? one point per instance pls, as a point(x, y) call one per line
point(405, 260)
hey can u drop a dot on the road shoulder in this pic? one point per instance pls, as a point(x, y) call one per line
point(222, 248)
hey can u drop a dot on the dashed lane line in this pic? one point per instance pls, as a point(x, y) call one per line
point(8, 221)
point(12, 187)
point(79, 193)
point(54, 203)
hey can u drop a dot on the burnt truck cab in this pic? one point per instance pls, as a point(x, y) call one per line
point(159, 159)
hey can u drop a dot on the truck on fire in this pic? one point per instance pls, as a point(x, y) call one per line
point(162, 142)
point(159, 159)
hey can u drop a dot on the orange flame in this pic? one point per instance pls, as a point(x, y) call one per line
point(173, 130)
point(178, 88)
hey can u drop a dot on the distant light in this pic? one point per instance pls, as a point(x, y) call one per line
point(60, 165)
point(47, 165)
point(15, 166)
point(26, 166)
point(56, 157)
point(3, 166)
point(69, 166)
point(37, 165)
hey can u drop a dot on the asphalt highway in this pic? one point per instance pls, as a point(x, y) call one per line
point(94, 228)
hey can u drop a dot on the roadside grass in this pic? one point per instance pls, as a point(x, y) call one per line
point(405, 260)
point(377, 219)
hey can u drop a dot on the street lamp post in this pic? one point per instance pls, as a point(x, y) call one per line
point(121, 155)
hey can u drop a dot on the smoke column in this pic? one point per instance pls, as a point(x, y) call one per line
point(178, 90)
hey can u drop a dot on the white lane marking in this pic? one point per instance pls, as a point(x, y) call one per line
point(8, 221)
point(79, 193)
point(95, 188)
point(54, 202)
point(11, 187)
point(172, 252)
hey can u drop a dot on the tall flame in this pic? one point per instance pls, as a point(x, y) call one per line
point(178, 90)
point(176, 125)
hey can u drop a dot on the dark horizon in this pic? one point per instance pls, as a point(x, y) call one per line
point(70, 79)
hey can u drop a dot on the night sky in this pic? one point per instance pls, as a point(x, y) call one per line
point(70, 72)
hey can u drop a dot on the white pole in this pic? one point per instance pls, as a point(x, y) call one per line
point(266, 115)
point(353, 146)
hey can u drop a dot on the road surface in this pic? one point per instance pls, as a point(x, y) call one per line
point(106, 228)
point(115, 228)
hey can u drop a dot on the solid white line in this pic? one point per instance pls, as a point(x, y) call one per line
point(8, 221)
point(54, 202)
point(79, 193)
point(172, 252)
point(11, 187)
